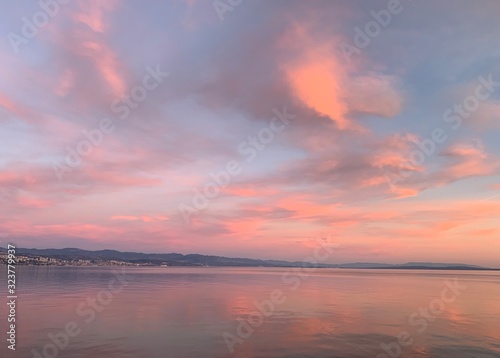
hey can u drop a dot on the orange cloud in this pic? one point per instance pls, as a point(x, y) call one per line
point(317, 83)
point(315, 77)
point(248, 191)
point(404, 192)
point(321, 81)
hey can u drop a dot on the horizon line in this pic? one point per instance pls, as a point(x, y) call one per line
point(260, 259)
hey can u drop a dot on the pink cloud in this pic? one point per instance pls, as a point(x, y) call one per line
point(375, 94)
point(107, 64)
point(249, 191)
point(468, 160)
point(65, 83)
point(144, 218)
point(34, 203)
point(17, 109)
point(93, 13)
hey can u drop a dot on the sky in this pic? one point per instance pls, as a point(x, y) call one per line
point(253, 128)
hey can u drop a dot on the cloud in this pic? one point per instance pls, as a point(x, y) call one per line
point(375, 94)
point(17, 109)
point(466, 160)
point(317, 85)
point(93, 13)
point(329, 172)
point(144, 218)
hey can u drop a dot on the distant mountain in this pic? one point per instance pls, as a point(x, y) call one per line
point(175, 259)
point(171, 259)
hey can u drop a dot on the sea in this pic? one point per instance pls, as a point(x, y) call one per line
point(159, 312)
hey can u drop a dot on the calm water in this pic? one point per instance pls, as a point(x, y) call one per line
point(187, 312)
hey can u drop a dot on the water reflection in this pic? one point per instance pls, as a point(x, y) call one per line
point(184, 312)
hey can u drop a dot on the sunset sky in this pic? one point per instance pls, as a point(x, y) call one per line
point(390, 146)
